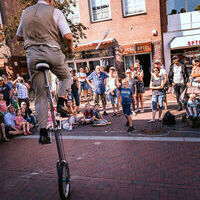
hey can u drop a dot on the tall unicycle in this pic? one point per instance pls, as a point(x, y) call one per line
point(62, 165)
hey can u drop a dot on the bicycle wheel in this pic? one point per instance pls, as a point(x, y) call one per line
point(63, 180)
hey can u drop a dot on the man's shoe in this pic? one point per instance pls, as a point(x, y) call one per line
point(44, 140)
point(105, 113)
point(63, 112)
point(179, 108)
point(130, 129)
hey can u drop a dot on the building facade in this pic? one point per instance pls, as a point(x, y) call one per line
point(182, 34)
point(132, 30)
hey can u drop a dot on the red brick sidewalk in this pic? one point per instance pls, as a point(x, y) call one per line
point(110, 170)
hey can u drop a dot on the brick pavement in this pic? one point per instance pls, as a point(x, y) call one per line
point(111, 170)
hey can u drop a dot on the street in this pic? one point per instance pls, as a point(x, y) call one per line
point(102, 169)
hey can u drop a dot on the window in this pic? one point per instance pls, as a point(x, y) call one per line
point(131, 7)
point(100, 10)
point(75, 16)
point(181, 6)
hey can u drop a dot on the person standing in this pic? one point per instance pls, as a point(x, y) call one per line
point(82, 82)
point(178, 78)
point(112, 85)
point(138, 75)
point(5, 90)
point(163, 74)
point(158, 93)
point(40, 28)
point(97, 80)
point(22, 91)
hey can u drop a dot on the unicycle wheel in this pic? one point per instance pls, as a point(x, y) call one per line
point(63, 180)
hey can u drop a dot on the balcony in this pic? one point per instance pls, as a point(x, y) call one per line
point(184, 21)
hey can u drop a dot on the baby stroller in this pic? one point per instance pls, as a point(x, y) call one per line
point(189, 113)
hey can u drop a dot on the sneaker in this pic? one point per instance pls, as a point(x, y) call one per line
point(151, 121)
point(70, 128)
point(108, 123)
point(142, 110)
point(127, 123)
point(105, 113)
point(134, 113)
point(44, 140)
point(114, 114)
point(130, 129)
point(179, 108)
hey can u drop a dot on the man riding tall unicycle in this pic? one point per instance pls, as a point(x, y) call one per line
point(40, 28)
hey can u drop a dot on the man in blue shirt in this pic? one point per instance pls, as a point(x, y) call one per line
point(126, 100)
point(9, 119)
point(97, 80)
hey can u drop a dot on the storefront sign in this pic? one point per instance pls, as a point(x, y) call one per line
point(128, 49)
point(140, 48)
point(193, 42)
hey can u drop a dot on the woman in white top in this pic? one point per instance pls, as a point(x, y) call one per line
point(113, 92)
point(82, 82)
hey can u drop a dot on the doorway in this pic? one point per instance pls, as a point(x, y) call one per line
point(145, 61)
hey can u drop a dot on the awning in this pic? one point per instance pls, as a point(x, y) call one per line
point(92, 45)
point(185, 42)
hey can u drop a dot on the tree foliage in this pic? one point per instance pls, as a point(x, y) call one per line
point(11, 26)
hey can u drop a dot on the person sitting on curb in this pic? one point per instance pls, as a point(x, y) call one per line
point(98, 119)
point(73, 114)
point(126, 100)
point(10, 122)
point(2, 126)
point(87, 114)
point(22, 124)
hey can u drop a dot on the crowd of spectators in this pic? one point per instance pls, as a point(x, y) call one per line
point(16, 117)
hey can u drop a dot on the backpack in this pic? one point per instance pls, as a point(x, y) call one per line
point(169, 118)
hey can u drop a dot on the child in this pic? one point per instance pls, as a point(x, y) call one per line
point(2, 125)
point(98, 120)
point(3, 105)
point(73, 114)
point(193, 106)
point(87, 114)
point(126, 98)
point(132, 86)
point(22, 124)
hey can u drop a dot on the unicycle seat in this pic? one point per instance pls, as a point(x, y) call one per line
point(42, 66)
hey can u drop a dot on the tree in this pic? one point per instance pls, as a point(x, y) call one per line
point(10, 28)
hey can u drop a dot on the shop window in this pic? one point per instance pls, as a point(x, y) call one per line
point(132, 7)
point(129, 61)
point(93, 64)
point(75, 16)
point(181, 6)
point(108, 62)
point(100, 10)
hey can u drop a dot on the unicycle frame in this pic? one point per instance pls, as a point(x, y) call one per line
point(56, 130)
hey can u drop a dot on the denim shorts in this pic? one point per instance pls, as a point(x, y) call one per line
point(157, 99)
point(114, 98)
point(82, 86)
point(127, 109)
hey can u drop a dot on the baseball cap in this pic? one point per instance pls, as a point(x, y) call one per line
point(157, 61)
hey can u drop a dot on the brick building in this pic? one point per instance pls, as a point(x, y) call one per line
point(134, 33)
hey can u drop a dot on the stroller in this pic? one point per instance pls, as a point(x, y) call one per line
point(184, 101)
